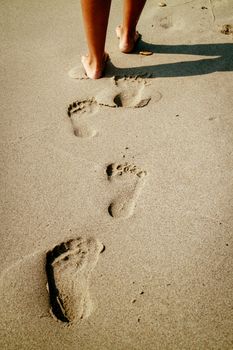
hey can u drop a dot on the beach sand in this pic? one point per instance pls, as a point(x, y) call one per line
point(116, 194)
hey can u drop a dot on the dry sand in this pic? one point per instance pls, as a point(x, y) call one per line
point(84, 172)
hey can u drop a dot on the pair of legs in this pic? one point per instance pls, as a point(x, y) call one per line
point(95, 15)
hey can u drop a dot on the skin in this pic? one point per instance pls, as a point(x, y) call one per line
point(95, 16)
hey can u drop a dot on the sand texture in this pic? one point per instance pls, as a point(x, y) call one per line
point(116, 194)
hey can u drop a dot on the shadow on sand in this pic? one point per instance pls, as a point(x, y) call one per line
point(222, 63)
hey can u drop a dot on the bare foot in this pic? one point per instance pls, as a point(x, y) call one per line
point(127, 42)
point(92, 69)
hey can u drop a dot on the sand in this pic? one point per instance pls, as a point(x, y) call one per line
point(116, 194)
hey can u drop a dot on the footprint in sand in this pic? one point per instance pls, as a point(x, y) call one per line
point(68, 268)
point(79, 112)
point(124, 92)
point(131, 180)
point(132, 93)
point(128, 93)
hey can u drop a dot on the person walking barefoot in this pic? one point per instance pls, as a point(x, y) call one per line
point(95, 16)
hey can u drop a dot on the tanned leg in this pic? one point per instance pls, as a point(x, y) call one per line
point(127, 31)
point(95, 16)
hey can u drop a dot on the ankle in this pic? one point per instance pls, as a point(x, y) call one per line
point(128, 32)
point(95, 61)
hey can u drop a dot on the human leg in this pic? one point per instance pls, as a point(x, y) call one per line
point(127, 31)
point(95, 16)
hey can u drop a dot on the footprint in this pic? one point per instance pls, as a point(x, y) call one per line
point(124, 92)
point(132, 93)
point(68, 268)
point(132, 179)
point(79, 111)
